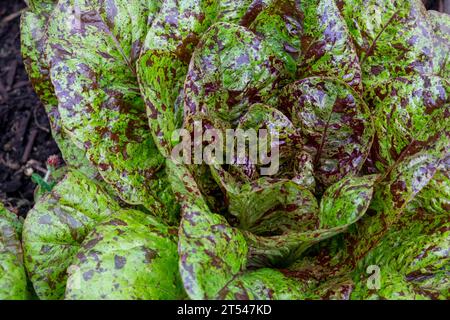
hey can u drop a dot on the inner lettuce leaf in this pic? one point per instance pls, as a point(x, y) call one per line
point(213, 255)
point(231, 68)
point(341, 206)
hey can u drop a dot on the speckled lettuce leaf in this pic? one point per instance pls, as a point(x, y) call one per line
point(92, 50)
point(392, 38)
point(269, 206)
point(404, 110)
point(346, 200)
point(312, 38)
point(334, 122)
point(57, 225)
point(280, 24)
point(342, 205)
point(239, 11)
point(128, 256)
point(262, 284)
point(413, 256)
point(326, 46)
point(399, 186)
point(211, 252)
point(412, 172)
point(288, 144)
point(33, 28)
point(173, 33)
point(41, 7)
point(440, 22)
point(13, 279)
point(231, 69)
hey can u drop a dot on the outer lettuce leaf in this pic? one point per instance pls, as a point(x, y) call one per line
point(392, 38)
point(13, 280)
point(413, 257)
point(397, 188)
point(403, 110)
point(440, 22)
point(262, 284)
point(92, 48)
point(280, 24)
point(129, 256)
point(326, 46)
point(57, 225)
point(231, 69)
point(41, 7)
point(173, 33)
point(33, 41)
point(334, 122)
point(211, 252)
point(342, 205)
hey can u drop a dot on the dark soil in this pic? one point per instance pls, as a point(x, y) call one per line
point(25, 139)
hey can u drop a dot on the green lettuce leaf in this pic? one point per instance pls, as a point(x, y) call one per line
point(334, 122)
point(92, 48)
point(392, 38)
point(13, 279)
point(130, 255)
point(57, 225)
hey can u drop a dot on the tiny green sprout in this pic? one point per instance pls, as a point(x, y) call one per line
point(45, 183)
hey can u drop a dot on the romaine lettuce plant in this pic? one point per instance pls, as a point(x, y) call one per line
point(358, 92)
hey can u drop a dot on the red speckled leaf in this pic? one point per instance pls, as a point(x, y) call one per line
point(334, 122)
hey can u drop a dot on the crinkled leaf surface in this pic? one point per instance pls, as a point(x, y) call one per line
point(41, 7)
point(92, 48)
point(262, 284)
point(413, 257)
point(131, 255)
point(342, 204)
point(173, 33)
point(334, 122)
point(405, 109)
point(326, 46)
point(57, 225)
point(311, 37)
point(344, 201)
point(280, 24)
point(274, 133)
point(392, 38)
point(399, 186)
point(13, 280)
point(269, 206)
point(440, 22)
point(231, 69)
